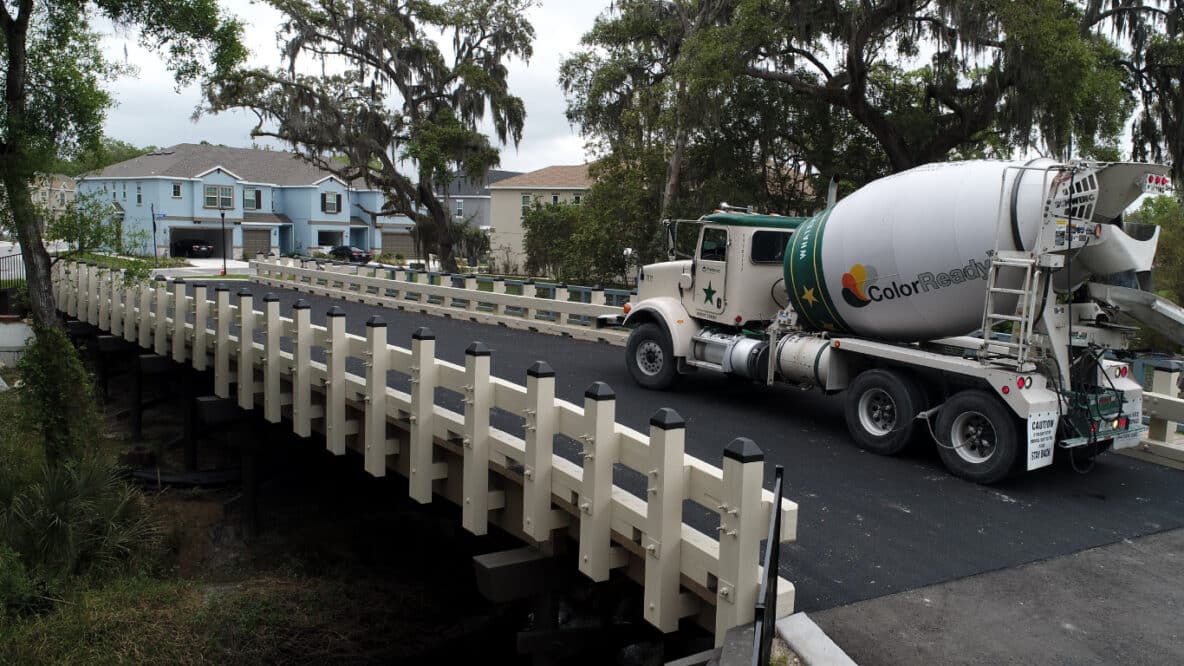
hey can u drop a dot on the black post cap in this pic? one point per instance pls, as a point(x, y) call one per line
point(271, 297)
point(743, 450)
point(477, 349)
point(423, 333)
point(199, 284)
point(528, 282)
point(335, 311)
point(600, 391)
point(598, 288)
point(540, 369)
point(221, 287)
point(301, 304)
point(375, 321)
point(499, 279)
point(470, 275)
point(161, 278)
point(243, 291)
point(667, 419)
point(178, 280)
point(561, 285)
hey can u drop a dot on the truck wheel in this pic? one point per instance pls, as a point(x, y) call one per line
point(650, 357)
point(977, 437)
point(880, 410)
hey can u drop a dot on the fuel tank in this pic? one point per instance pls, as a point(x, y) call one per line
point(906, 258)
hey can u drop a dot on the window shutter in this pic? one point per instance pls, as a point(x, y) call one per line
point(258, 199)
point(338, 203)
point(322, 202)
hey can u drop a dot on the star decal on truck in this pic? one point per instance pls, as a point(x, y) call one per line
point(808, 296)
point(710, 294)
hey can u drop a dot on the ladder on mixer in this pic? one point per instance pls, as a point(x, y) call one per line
point(1023, 316)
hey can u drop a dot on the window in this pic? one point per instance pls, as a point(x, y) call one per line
point(44, 195)
point(139, 195)
point(554, 198)
point(176, 190)
point(61, 198)
point(211, 196)
point(227, 198)
point(251, 198)
point(125, 191)
point(525, 201)
point(329, 238)
point(768, 247)
point(715, 245)
point(330, 203)
point(460, 207)
point(576, 199)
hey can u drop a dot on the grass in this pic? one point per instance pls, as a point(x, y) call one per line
point(131, 262)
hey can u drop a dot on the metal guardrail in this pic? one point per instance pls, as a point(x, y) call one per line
point(12, 271)
point(766, 605)
point(517, 483)
point(542, 307)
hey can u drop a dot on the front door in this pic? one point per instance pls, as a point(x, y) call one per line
point(711, 270)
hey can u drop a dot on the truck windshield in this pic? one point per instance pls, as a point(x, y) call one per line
point(768, 247)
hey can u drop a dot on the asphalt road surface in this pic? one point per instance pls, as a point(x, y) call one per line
point(868, 526)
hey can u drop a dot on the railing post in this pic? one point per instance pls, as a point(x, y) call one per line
point(596, 496)
point(663, 537)
point(201, 311)
point(478, 398)
point(302, 369)
point(246, 349)
point(499, 287)
point(529, 312)
point(160, 317)
point(118, 305)
point(1164, 383)
point(471, 286)
point(739, 536)
point(131, 294)
point(273, 329)
point(144, 323)
point(222, 341)
point(423, 419)
point(596, 296)
point(561, 293)
point(180, 315)
point(540, 438)
point(376, 363)
point(92, 297)
point(337, 348)
point(81, 272)
point(104, 288)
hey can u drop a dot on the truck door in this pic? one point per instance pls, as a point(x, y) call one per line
point(711, 267)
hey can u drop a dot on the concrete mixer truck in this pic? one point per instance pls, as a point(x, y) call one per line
point(970, 304)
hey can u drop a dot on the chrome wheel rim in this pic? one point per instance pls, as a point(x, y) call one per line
point(650, 358)
point(973, 437)
point(877, 412)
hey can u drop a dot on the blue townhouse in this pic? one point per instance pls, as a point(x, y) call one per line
point(273, 202)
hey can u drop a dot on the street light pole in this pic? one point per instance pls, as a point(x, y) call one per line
point(223, 212)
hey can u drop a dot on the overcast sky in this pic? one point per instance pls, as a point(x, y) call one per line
point(149, 111)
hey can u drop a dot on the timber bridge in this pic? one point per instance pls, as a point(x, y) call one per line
point(568, 451)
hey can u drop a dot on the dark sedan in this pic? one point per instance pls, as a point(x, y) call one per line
point(192, 247)
point(347, 253)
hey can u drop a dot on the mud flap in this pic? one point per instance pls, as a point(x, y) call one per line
point(1042, 437)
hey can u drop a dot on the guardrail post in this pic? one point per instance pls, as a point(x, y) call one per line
point(301, 369)
point(160, 317)
point(130, 295)
point(596, 495)
point(376, 363)
point(471, 286)
point(539, 425)
point(1164, 383)
point(740, 535)
point(499, 287)
point(272, 330)
point(144, 323)
point(222, 341)
point(529, 312)
point(246, 349)
point(92, 295)
point(201, 312)
point(596, 296)
point(423, 419)
point(663, 537)
point(561, 293)
point(180, 314)
point(118, 305)
point(337, 348)
point(103, 278)
point(475, 479)
point(80, 273)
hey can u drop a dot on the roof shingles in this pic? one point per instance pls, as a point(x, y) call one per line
point(574, 177)
point(189, 160)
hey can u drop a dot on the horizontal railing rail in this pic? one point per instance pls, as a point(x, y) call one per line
point(542, 307)
point(495, 476)
point(1165, 409)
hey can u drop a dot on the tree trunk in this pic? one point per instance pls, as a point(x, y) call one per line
point(674, 164)
point(440, 220)
point(28, 233)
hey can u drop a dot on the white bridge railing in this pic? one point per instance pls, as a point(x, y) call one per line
point(518, 484)
point(411, 290)
point(1162, 444)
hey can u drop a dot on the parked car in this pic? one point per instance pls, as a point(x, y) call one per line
point(347, 253)
point(192, 247)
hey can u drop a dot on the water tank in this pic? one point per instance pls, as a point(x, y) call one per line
point(905, 258)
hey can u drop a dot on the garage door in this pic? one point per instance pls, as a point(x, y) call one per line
point(396, 243)
point(256, 241)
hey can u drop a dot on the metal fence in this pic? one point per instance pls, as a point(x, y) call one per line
point(766, 603)
point(12, 271)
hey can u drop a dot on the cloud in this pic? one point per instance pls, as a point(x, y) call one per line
point(151, 111)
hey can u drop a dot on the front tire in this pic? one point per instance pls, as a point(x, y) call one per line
point(978, 437)
point(881, 410)
point(649, 355)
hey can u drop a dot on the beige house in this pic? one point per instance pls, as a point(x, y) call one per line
point(54, 192)
point(553, 184)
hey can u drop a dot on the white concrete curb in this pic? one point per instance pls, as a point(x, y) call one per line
point(810, 643)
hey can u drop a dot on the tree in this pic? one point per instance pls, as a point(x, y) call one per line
point(1167, 213)
point(386, 91)
point(53, 106)
point(104, 152)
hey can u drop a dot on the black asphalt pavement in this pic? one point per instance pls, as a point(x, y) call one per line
point(868, 526)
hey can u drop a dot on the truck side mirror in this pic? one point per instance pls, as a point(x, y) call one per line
point(685, 281)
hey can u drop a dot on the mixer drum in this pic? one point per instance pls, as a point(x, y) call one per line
point(906, 257)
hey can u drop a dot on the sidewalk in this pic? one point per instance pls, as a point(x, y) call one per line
point(208, 268)
point(1118, 604)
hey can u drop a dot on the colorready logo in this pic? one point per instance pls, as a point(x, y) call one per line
point(853, 281)
point(860, 288)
